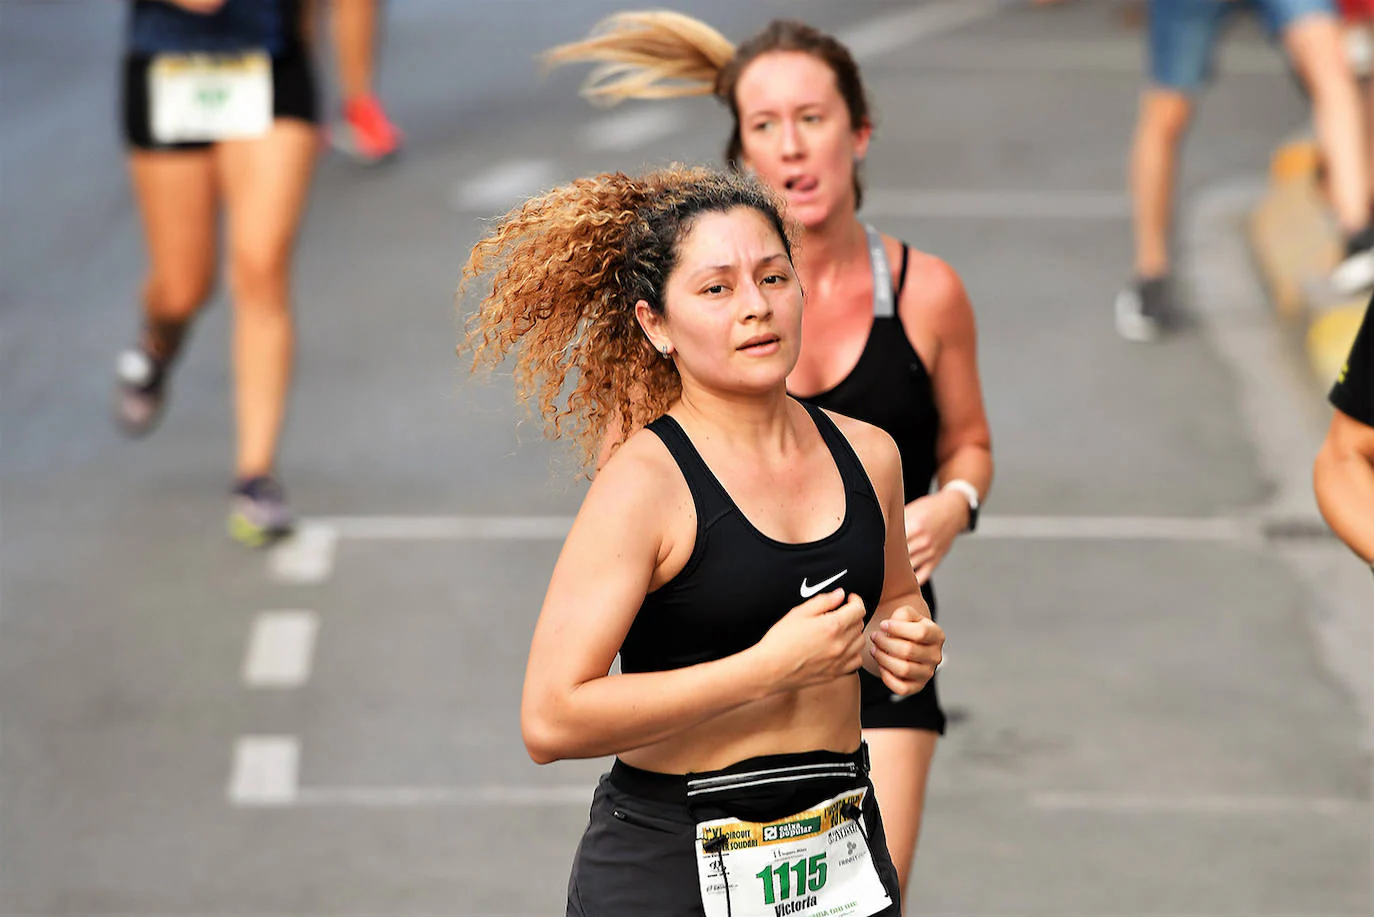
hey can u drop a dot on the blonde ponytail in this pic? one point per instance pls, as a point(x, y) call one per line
point(648, 55)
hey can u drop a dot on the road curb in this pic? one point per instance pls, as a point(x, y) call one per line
point(1295, 244)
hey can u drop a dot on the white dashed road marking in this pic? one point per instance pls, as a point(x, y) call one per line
point(265, 771)
point(502, 186)
point(306, 557)
point(280, 649)
point(883, 34)
point(631, 128)
point(916, 203)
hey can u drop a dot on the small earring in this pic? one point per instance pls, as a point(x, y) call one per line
point(665, 350)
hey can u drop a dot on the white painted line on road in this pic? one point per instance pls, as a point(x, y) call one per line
point(410, 797)
point(887, 33)
point(554, 528)
point(310, 560)
point(265, 771)
point(1170, 804)
point(420, 796)
point(280, 649)
point(1071, 528)
point(502, 186)
point(305, 557)
point(996, 205)
point(449, 528)
point(632, 128)
point(1115, 528)
point(1122, 57)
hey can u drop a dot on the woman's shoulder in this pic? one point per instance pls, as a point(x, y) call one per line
point(639, 486)
point(874, 446)
point(932, 290)
point(928, 276)
point(641, 463)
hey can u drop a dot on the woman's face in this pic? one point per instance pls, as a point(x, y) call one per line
point(732, 305)
point(796, 134)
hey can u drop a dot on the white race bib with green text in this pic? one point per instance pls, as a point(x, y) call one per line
point(812, 864)
point(204, 98)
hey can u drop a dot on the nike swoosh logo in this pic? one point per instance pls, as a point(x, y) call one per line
point(808, 591)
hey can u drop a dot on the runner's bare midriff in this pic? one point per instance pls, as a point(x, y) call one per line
point(818, 718)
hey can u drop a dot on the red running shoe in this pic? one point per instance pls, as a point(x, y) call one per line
point(365, 134)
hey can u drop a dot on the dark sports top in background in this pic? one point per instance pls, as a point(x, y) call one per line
point(889, 386)
point(157, 27)
point(1353, 393)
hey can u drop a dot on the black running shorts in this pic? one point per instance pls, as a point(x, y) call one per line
point(294, 97)
point(638, 855)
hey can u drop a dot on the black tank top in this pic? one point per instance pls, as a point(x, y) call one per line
point(274, 26)
point(889, 387)
point(738, 582)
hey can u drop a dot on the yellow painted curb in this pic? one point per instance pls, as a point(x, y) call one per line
point(1294, 241)
point(1329, 340)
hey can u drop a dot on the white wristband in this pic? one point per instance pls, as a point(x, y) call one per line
point(966, 488)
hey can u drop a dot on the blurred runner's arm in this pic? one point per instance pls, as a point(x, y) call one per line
point(309, 19)
point(1344, 482)
point(1343, 475)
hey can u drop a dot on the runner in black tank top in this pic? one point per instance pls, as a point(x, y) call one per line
point(744, 556)
point(890, 388)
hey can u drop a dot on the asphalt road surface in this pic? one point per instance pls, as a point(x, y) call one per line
point(1158, 667)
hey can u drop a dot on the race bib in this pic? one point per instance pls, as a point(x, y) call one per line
point(204, 97)
point(812, 864)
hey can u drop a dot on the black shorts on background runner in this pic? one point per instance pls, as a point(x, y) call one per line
point(273, 27)
point(294, 96)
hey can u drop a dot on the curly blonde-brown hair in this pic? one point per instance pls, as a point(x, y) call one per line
point(566, 269)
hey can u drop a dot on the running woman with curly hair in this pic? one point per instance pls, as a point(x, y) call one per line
point(741, 552)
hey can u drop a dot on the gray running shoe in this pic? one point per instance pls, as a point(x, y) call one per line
point(258, 514)
point(1355, 274)
point(1144, 310)
point(140, 392)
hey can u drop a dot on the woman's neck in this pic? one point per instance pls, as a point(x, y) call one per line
point(826, 251)
point(743, 422)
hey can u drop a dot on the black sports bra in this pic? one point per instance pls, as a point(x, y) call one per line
point(889, 387)
point(738, 582)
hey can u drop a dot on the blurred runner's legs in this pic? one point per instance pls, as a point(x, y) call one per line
point(364, 132)
point(262, 180)
point(265, 183)
point(1343, 475)
point(1357, 18)
point(1182, 37)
